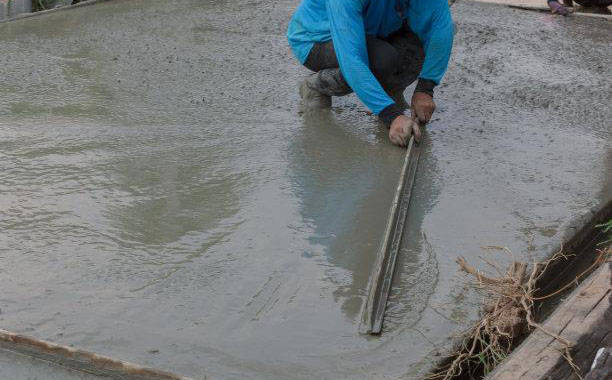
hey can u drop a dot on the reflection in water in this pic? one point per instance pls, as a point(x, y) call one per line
point(178, 200)
point(342, 198)
point(172, 199)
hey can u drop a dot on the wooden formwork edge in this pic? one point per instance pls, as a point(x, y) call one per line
point(576, 319)
point(546, 9)
point(526, 5)
point(577, 233)
point(80, 360)
point(47, 11)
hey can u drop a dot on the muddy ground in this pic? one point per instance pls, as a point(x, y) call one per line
point(164, 202)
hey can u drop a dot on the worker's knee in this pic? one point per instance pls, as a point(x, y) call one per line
point(383, 57)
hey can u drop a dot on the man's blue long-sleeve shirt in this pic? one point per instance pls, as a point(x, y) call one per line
point(347, 22)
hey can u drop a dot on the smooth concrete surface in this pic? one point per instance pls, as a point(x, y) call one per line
point(163, 202)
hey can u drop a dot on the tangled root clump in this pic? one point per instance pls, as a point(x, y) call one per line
point(506, 317)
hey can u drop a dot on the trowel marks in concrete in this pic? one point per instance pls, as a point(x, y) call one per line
point(163, 202)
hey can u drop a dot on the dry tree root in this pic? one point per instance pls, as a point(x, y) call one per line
point(507, 317)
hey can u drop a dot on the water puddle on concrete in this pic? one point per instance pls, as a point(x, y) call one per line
point(163, 202)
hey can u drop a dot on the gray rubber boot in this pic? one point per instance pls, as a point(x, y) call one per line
point(316, 90)
point(311, 98)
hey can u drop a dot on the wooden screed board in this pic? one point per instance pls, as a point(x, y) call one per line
point(379, 284)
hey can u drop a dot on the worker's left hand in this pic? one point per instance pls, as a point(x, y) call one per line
point(423, 107)
point(402, 128)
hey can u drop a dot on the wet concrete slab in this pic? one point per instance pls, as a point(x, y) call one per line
point(163, 201)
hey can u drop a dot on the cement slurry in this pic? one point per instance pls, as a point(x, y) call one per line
point(163, 202)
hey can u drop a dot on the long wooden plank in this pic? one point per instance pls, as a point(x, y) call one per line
point(80, 360)
point(583, 319)
point(52, 10)
point(539, 8)
point(379, 284)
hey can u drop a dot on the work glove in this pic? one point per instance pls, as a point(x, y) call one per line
point(402, 128)
point(423, 107)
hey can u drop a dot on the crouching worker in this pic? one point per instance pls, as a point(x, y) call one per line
point(375, 48)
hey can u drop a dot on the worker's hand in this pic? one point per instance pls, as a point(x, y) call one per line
point(401, 130)
point(423, 107)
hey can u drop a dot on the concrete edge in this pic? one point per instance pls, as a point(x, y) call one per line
point(80, 360)
point(546, 9)
point(573, 234)
point(47, 11)
point(554, 355)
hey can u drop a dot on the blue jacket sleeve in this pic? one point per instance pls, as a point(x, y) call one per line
point(348, 35)
point(431, 21)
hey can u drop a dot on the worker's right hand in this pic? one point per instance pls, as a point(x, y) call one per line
point(402, 128)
